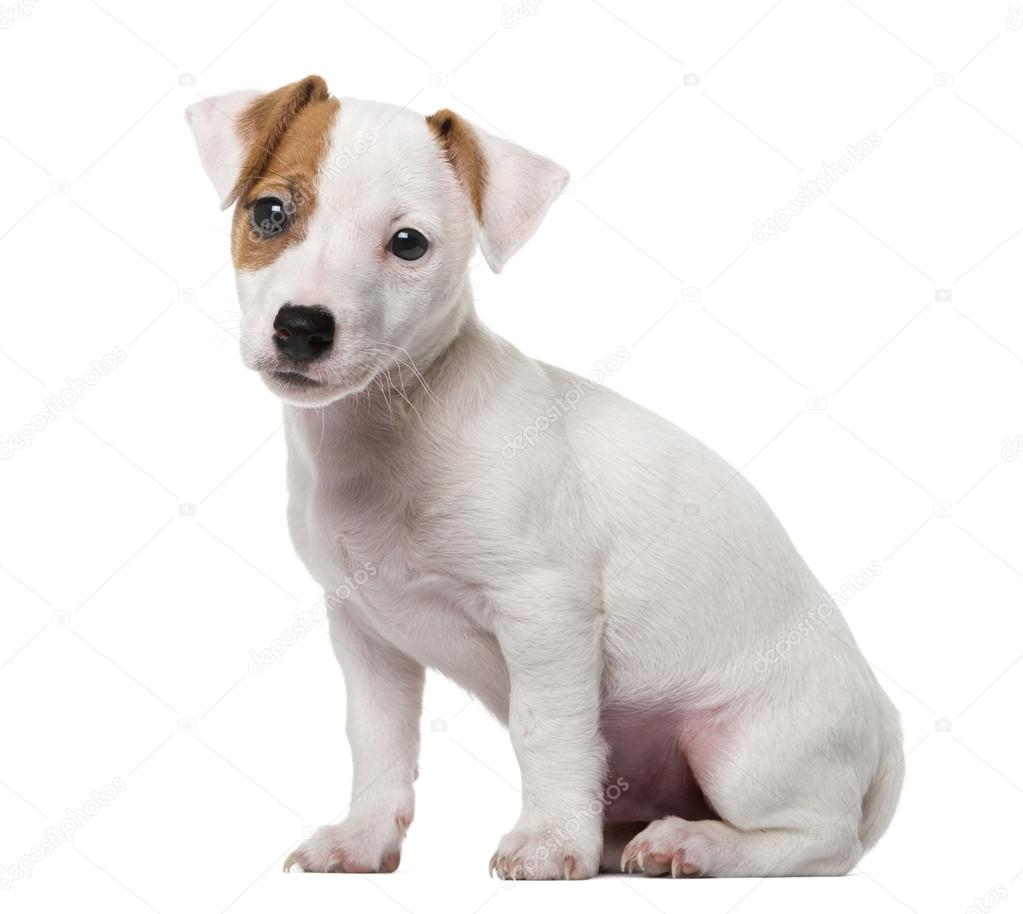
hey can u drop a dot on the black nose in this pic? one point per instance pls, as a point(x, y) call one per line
point(302, 333)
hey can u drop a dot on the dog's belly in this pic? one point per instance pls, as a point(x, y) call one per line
point(649, 772)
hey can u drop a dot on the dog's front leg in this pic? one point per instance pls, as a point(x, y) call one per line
point(554, 662)
point(385, 691)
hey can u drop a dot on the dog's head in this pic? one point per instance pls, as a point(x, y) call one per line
point(353, 227)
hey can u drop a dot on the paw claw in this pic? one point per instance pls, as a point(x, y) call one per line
point(667, 846)
point(352, 846)
point(335, 863)
point(535, 855)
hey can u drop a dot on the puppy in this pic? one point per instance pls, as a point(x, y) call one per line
point(606, 585)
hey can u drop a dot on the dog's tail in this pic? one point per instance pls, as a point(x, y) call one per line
point(882, 796)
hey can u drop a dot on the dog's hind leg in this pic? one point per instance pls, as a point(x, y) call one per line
point(710, 848)
point(790, 799)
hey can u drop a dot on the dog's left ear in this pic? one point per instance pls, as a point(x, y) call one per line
point(510, 188)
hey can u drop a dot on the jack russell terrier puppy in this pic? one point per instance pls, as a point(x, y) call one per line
point(682, 695)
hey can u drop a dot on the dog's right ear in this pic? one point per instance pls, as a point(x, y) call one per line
point(237, 133)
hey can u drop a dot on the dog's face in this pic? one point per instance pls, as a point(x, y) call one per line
point(353, 227)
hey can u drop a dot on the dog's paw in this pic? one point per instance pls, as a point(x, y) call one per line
point(541, 854)
point(669, 845)
point(353, 846)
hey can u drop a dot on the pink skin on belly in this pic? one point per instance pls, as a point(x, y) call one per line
point(655, 759)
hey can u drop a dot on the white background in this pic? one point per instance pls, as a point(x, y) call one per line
point(864, 367)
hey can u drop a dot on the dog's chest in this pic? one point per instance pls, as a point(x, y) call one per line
point(364, 547)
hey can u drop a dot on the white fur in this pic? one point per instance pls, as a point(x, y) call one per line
point(213, 125)
point(568, 584)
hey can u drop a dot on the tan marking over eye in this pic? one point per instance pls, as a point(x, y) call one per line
point(286, 133)
point(463, 151)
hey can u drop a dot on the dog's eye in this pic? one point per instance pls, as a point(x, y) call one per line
point(408, 244)
point(269, 216)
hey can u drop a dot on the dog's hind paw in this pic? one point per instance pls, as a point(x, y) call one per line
point(667, 846)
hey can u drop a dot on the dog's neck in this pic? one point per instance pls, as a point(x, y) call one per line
point(416, 399)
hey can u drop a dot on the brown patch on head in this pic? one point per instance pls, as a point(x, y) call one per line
point(286, 134)
point(463, 151)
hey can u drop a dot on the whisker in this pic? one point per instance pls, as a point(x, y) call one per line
point(411, 365)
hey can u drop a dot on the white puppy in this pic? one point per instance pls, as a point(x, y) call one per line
point(605, 584)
